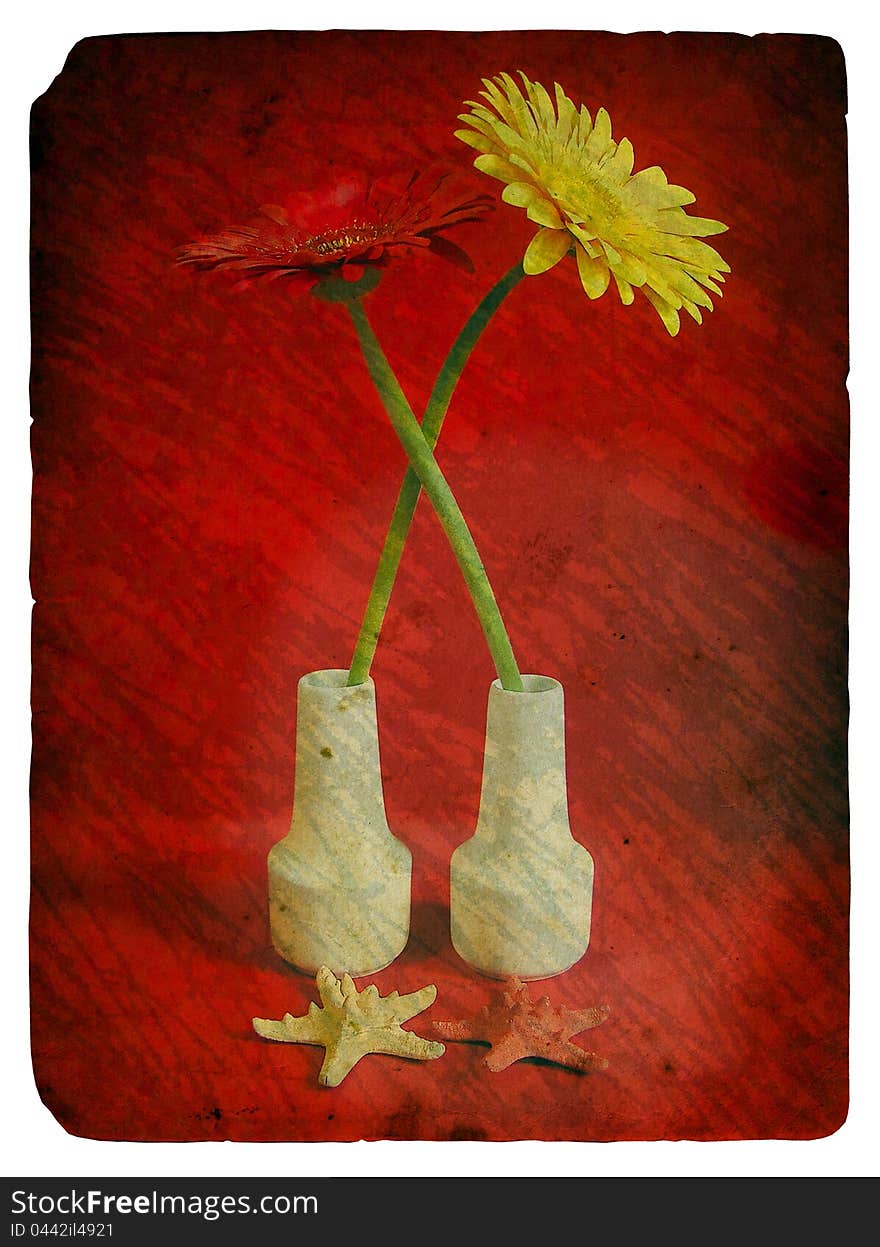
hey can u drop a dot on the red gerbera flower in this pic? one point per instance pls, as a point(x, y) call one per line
point(338, 231)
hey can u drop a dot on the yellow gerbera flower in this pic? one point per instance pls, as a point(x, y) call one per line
point(577, 184)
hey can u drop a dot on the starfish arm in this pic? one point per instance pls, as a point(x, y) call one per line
point(576, 1020)
point(406, 1007)
point(405, 1043)
point(514, 991)
point(329, 989)
point(269, 1029)
point(309, 1029)
point(349, 991)
point(463, 1030)
point(313, 1028)
point(377, 1010)
point(340, 1059)
point(564, 1053)
point(504, 1053)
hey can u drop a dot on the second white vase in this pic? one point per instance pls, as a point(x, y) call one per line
point(521, 888)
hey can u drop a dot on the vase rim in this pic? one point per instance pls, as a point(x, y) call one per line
point(333, 678)
point(531, 684)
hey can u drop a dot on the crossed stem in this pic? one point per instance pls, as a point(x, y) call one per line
point(428, 473)
point(424, 472)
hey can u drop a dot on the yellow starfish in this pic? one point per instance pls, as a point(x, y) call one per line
point(353, 1023)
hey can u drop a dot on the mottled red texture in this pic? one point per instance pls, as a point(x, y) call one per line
point(663, 521)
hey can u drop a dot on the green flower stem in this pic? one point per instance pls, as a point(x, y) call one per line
point(438, 403)
point(425, 467)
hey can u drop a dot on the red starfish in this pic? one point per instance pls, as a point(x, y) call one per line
point(516, 1027)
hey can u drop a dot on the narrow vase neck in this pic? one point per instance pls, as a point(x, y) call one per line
point(338, 785)
point(524, 781)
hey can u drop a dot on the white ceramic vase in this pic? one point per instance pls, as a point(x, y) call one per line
point(339, 882)
point(521, 888)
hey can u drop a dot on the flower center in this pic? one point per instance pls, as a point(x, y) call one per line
point(583, 198)
point(347, 237)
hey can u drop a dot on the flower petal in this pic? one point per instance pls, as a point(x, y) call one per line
point(485, 125)
point(649, 189)
point(479, 141)
point(542, 212)
point(546, 249)
point(676, 221)
point(539, 209)
point(629, 268)
point(521, 163)
point(685, 286)
point(520, 194)
point(545, 114)
point(600, 138)
point(618, 166)
point(567, 114)
point(656, 279)
point(499, 144)
point(696, 254)
point(586, 238)
point(653, 176)
point(625, 290)
point(497, 167)
point(505, 134)
point(481, 111)
point(667, 314)
point(524, 121)
point(498, 100)
point(594, 274)
point(448, 250)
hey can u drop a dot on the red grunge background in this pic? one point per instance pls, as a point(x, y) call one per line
point(664, 522)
